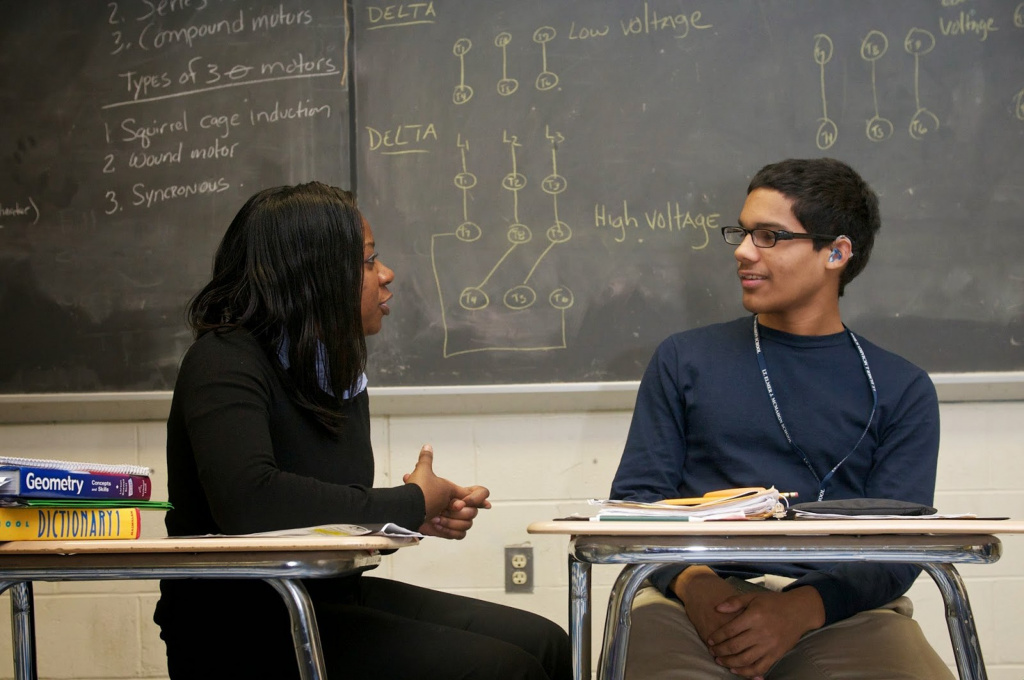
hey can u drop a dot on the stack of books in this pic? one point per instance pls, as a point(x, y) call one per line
point(66, 500)
point(726, 504)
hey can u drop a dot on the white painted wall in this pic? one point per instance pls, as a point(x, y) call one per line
point(538, 466)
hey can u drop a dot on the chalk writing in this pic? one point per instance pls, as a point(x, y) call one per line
point(647, 23)
point(580, 106)
point(145, 133)
point(280, 18)
point(546, 80)
point(151, 37)
point(143, 159)
point(146, 197)
point(586, 32)
point(206, 76)
point(465, 180)
point(463, 92)
point(222, 122)
point(300, 110)
point(506, 85)
point(920, 42)
point(215, 151)
point(966, 24)
point(298, 65)
point(554, 184)
point(518, 295)
point(827, 130)
point(652, 22)
point(29, 209)
point(141, 84)
point(163, 8)
point(152, 121)
point(405, 14)
point(518, 233)
point(172, 140)
point(672, 219)
point(402, 139)
point(872, 48)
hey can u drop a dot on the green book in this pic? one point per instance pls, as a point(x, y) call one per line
point(17, 502)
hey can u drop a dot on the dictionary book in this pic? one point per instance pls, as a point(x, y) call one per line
point(28, 481)
point(68, 524)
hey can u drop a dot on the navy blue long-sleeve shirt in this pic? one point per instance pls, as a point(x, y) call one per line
point(704, 421)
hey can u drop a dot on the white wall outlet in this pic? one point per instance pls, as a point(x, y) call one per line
point(518, 569)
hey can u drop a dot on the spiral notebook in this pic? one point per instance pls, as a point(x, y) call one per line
point(104, 468)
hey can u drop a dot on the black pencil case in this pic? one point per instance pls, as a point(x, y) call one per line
point(861, 506)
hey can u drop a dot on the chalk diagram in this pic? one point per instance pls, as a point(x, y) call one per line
point(872, 48)
point(518, 322)
point(920, 42)
point(506, 85)
point(463, 92)
point(546, 79)
point(827, 131)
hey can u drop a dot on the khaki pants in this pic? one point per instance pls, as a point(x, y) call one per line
point(881, 644)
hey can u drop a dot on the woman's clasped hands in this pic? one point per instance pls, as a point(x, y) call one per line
point(450, 508)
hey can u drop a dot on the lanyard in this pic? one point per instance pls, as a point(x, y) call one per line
point(822, 483)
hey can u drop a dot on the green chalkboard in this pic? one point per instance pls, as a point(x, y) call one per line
point(130, 133)
point(548, 178)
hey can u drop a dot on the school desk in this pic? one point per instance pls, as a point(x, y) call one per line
point(281, 562)
point(935, 545)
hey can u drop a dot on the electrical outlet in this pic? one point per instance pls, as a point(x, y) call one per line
point(518, 569)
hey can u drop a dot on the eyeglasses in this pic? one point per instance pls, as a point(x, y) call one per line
point(767, 238)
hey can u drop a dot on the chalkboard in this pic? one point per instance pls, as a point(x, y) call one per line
point(131, 131)
point(546, 178)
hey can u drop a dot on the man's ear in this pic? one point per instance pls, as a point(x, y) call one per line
point(840, 252)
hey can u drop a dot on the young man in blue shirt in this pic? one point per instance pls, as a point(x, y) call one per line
point(788, 397)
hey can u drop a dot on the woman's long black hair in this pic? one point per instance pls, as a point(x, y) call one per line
point(289, 269)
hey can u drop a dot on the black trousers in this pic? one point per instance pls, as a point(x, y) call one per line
point(369, 628)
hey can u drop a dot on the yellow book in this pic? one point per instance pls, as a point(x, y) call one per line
point(720, 496)
point(68, 524)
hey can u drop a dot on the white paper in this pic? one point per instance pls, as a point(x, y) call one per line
point(389, 529)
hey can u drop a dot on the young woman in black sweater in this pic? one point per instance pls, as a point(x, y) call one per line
point(270, 429)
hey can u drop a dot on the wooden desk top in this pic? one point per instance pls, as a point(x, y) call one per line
point(770, 527)
point(207, 545)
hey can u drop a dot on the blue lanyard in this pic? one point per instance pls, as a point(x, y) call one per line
point(822, 483)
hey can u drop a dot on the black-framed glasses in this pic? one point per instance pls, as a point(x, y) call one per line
point(767, 238)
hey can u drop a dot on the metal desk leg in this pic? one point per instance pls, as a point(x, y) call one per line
point(960, 621)
point(23, 628)
point(305, 633)
point(612, 665)
point(579, 617)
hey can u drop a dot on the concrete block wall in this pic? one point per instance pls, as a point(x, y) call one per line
point(538, 466)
